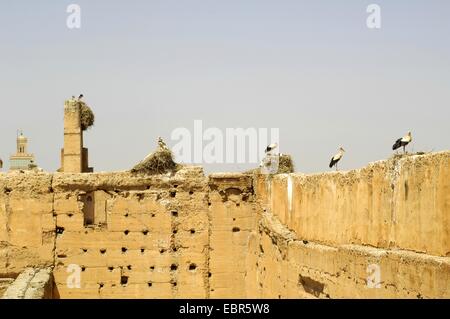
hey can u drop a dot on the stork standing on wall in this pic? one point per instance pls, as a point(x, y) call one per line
point(402, 142)
point(336, 158)
point(271, 147)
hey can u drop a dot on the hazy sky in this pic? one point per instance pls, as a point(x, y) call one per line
point(310, 68)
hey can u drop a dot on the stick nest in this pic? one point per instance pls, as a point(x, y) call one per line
point(285, 165)
point(159, 162)
point(87, 117)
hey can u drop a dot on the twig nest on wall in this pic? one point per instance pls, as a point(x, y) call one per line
point(274, 164)
point(286, 165)
point(159, 162)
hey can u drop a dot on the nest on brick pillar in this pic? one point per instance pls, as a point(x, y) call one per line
point(87, 117)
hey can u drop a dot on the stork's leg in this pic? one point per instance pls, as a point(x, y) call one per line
point(336, 167)
point(404, 149)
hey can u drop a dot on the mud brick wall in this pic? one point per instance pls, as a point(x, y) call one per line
point(399, 203)
point(233, 235)
point(282, 266)
point(146, 237)
point(27, 225)
point(234, 215)
point(129, 236)
point(319, 235)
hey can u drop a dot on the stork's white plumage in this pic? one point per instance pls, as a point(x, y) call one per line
point(336, 158)
point(402, 142)
point(162, 144)
point(271, 147)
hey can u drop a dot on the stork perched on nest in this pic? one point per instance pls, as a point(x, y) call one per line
point(336, 158)
point(162, 144)
point(402, 142)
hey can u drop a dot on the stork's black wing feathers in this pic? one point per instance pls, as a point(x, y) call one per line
point(397, 144)
point(333, 162)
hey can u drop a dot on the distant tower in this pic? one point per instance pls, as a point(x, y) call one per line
point(21, 160)
point(74, 157)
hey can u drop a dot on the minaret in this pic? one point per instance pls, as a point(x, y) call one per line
point(21, 160)
point(74, 157)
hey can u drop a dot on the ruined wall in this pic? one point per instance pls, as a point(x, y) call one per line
point(233, 235)
point(148, 237)
point(234, 215)
point(323, 234)
point(381, 205)
point(128, 235)
point(27, 224)
point(282, 266)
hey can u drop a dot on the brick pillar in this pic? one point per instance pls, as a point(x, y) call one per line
point(72, 153)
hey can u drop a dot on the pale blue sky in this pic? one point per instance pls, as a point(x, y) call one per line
point(310, 68)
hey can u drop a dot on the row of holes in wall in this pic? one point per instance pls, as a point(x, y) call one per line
point(173, 267)
point(89, 213)
point(124, 282)
point(60, 230)
point(124, 279)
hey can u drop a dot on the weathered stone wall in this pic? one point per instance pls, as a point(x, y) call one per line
point(27, 225)
point(130, 236)
point(282, 266)
point(233, 235)
point(234, 215)
point(148, 237)
point(399, 203)
point(321, 235)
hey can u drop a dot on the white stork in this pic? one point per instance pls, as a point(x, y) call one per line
point(271, 147)
point(162, 144)
point(336, 158)
point(402, 142)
